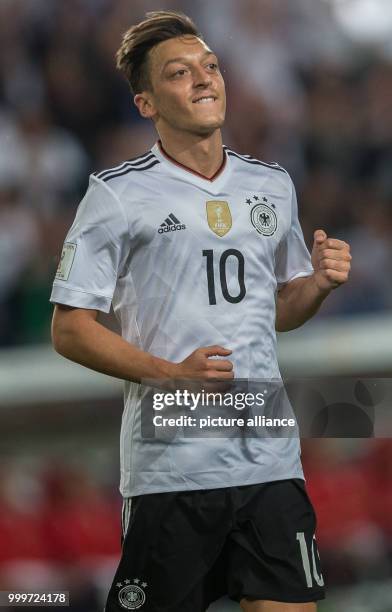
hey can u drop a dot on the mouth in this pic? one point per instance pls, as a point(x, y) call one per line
point(204, 100)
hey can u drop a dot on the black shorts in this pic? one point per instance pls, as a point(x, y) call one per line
point(183, 550)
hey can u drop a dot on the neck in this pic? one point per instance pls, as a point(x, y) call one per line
point(203, 154)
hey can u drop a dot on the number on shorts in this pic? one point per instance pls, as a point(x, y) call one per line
point(306, 562)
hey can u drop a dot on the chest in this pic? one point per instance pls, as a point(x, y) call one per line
point(254, 218)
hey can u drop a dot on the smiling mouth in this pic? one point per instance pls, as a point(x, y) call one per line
point(204, 100)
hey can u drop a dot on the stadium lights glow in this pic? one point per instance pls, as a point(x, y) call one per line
point(368, 21)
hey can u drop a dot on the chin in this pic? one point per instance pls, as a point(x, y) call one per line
point(210, 126)
point(204, 130)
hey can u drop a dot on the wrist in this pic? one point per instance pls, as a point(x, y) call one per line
point(164, 369)
point(320, 285)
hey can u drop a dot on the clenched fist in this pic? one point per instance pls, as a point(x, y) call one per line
point(331, 261)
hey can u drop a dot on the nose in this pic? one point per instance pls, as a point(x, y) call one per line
point(201, 78)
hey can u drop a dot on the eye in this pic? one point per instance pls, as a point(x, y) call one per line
point(213, 66)
point(179, 72)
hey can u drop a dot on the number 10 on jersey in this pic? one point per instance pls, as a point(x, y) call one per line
point(210, 255)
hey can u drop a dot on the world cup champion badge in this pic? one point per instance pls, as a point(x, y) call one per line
point(131, 595)
point(264, 219)
point(219, 217)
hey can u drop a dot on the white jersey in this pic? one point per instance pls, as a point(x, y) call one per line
point(187, 262)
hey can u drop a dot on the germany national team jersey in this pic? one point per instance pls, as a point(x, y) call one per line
point(188, 262)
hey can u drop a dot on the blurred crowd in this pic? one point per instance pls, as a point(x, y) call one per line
point(299, 92)
point(59, 530)
point(60, 519)
point(349, 483)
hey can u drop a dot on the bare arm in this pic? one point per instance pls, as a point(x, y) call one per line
point(300, 299)
point(297, 302)
point(78, 336)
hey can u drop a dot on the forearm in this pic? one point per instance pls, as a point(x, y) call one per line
point(92, 345)
point(297, 302)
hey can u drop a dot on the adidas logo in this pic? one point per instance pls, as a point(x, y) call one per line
point(171, 224)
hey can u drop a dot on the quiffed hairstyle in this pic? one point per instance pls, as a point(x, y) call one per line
point(132, 57)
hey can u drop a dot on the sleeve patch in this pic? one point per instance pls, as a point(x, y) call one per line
point(66, 261)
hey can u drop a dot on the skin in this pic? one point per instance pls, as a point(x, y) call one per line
point(300, 299)
point(191, 134)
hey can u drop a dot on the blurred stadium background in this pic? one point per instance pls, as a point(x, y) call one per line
point(309, 85)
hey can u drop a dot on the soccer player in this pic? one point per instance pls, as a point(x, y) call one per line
point(199, 251)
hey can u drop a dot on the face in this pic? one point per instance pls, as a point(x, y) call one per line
point(188, 91)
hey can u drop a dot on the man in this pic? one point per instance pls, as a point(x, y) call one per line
point(192, 244)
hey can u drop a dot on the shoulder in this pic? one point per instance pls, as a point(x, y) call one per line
point(115, 177)
point(249, 161)
point(251, 168)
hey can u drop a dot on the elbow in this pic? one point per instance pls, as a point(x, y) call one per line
point(71, 330)
point(286, 328)
point(58, 340)
point(281, 327)
point(285, 324)
point(62, 337)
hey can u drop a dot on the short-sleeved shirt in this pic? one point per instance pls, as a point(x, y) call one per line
point(187, 262)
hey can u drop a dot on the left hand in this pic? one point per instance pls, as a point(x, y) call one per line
point(331, 261)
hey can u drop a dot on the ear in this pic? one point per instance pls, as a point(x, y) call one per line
point(145, 105)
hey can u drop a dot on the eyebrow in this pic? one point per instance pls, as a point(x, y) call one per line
point(184, 59)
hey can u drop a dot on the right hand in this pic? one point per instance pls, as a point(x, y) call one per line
point(199, 365)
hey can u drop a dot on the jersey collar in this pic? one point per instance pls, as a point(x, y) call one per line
point(159, 151)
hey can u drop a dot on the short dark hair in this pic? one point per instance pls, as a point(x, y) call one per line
point(137, 42)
